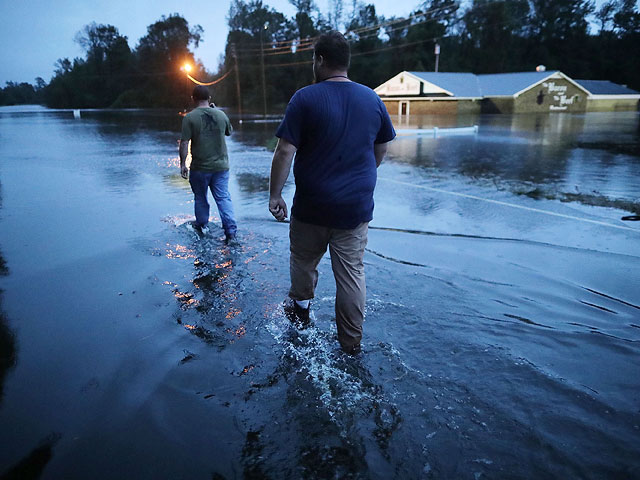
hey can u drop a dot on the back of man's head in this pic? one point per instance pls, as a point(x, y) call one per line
point(334, 49)
point(200, 92)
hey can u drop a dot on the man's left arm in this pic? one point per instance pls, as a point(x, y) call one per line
point(385, 134)
point(228, 129)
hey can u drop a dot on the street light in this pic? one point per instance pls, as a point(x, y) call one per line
point(186, 68)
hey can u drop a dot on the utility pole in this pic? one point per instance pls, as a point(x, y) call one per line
point(437, 52)
point(186, 68)
point(235, 58)
point(264, 86)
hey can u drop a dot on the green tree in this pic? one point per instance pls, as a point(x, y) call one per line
point(413, 39)
point(261, 34)
point(363, 32)
point(559, 36)
point(66, 88)
point(160, 55)
point(558, 20)
point(304, 20)
point(108, 64)
point(627, 18)
point(492, 35)
point(605, 15)
point(97, 41)
point(17, 94)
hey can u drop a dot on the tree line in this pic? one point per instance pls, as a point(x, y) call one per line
point(113, 75)
point(268, 55)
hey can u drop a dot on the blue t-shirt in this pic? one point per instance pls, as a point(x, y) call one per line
point(334, 126)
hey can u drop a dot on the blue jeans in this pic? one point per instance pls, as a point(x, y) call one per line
point(218, 182)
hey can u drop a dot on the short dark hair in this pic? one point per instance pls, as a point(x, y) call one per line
point(334, 49)
point(200, 92)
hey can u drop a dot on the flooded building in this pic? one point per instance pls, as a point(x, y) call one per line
point(605, 96)
point(532, 92)
point(421, 93)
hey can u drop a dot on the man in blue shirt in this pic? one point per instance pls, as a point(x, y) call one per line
point(338, 131)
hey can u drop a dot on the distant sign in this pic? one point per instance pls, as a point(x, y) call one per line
point(402, 86)
point(437, 50)
point(559, 95)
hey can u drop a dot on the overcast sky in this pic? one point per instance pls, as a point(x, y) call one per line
point(35, 33)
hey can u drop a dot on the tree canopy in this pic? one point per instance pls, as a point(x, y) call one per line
point(486, 36)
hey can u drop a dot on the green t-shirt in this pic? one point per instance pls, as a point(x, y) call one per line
point(206, 127)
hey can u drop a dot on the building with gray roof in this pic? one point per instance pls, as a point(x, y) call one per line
point(412, 92)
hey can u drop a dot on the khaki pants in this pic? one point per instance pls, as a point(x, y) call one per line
point(346, 247)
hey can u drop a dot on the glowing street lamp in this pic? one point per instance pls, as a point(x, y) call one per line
point(186, 68)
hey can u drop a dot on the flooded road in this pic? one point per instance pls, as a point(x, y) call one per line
point(502, 332)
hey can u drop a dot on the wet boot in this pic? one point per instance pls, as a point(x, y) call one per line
point(298, 316)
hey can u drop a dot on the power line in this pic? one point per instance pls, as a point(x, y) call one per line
point(350, 40)
point(208, 83)
point(302, 44)
point(287, 44)
point(432, 39)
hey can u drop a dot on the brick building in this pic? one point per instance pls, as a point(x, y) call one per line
point(417, 93)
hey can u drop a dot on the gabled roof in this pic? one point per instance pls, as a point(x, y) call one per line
point(459, 84)
point(498, 84)
point(605, 87)
point(469, 85)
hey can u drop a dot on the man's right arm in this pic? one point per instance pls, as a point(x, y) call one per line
point(184, 151)
point(280, 166)
point(184, 147)
point(380, 150)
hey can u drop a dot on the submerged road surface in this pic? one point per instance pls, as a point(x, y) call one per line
point(502, 332)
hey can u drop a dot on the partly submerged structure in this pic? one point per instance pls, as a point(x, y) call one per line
point(605, 96)
point(526, 92)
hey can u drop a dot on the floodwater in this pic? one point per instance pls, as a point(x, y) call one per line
point(502, 332)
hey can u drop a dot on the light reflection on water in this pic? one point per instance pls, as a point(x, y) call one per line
point(574, 158)
point(496, 345)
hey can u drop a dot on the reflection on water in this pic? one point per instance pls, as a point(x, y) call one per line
point(216, 287)
point(32, 465)
point(252, 183)
point(589, 159)
point(8, 353)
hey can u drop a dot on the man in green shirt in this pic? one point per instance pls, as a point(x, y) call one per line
point(206, 126)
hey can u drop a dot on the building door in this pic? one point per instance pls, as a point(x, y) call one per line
point(404, 108)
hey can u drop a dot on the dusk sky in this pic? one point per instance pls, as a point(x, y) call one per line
point(36, 33)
